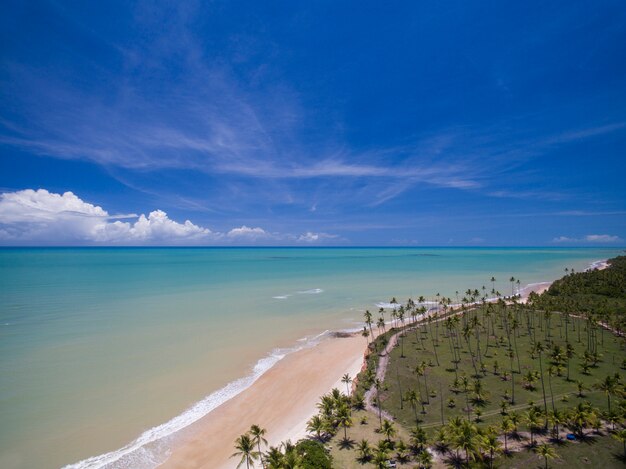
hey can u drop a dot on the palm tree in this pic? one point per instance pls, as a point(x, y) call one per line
point(316, 425)
point(291, 460)
point(507, 427)
point(245, 449)
point(620, 436)
point(608, 385)
point(258, 434)
point(419, 439)
point(274, 458)
point(580, 417)
point(412, 397)
point(365, 450)
point(467, 440)
point(539, 348)
point(380, 459)
point(381, 324)
point(556, 418)
point(388, 430)
point(368, 320)
point(365, 333)
point(347, 380)
point(344, 419)
point(402, 452)
point(534, 420)
point(378, 385)
point(493, 445)
point(547, 452)
point(424, 460)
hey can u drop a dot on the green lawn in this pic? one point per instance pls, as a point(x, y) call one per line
point(418, 348)
point(600, 452)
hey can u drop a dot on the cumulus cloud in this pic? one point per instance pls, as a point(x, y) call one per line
point(40, 217)
point(246, 232)
point(602, 238)
point(310, 237)
point(592, 238)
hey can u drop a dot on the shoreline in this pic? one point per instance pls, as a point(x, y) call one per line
point(281, 399)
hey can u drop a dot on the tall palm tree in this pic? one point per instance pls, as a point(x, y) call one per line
point(491, 444)
point(316, 425)
point(291, 459)
point(368, 321)
point(547, 452)
point(419, 439)
point(258, 436)
point(424, 460)
point(534, 421)
point(378, 385)
point(388, 429)
point(347, 380)
point(556, 418)
point(412, 397)
point(539, 348)
point(344, 419)
point(245, 449)
point(609, 385)
point(381, 324)
point(507, 427)
point(380, 459)
point(468, 440)
point(274, 458)
point(365, 450)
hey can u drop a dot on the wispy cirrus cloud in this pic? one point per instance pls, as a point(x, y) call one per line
point(246, 131)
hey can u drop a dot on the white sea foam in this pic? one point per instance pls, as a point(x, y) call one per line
point(601, 264)
point(281, 297)
point(313, 291)
point(136, 454)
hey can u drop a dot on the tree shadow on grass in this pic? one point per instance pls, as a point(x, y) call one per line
point(619, 457)
point(347, 443)
point(455, 461)
point(587, 439)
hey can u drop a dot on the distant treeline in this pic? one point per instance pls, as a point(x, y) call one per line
point(600, 294)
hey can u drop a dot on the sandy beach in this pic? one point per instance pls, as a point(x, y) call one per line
point(282, 401)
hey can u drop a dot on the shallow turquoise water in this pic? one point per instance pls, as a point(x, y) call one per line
point(99, 345)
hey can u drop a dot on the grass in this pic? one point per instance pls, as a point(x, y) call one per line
point(401, 377)
point(345, 455)
point(599, 451)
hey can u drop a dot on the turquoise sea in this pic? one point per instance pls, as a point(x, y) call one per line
point(102, 346)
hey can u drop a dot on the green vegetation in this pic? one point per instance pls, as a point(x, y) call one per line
point(481, 384)
point(600, 295)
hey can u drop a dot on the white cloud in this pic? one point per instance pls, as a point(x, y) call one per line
point(602, 238)
point(40, 216)
point(246, 232)
point(563, 239)
point(310, 237)
point(592, 238)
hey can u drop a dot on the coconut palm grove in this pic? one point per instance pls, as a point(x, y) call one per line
point(485, 379)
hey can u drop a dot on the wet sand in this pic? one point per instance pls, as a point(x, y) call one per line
point(281, 401)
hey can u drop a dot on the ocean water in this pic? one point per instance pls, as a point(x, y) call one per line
point(105, 353)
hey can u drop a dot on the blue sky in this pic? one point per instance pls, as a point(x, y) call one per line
point(306, 123)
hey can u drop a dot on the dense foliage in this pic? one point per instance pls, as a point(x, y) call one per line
point(314, 456)
point(601, 293)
